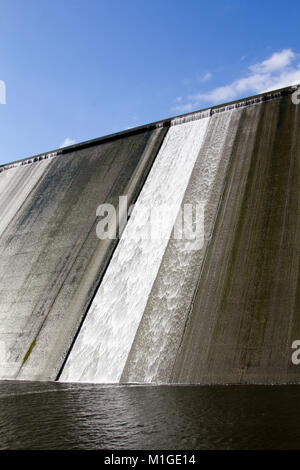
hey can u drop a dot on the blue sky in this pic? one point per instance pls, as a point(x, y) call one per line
point(79, 69)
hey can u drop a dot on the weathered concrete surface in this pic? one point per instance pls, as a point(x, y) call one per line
point(15, 186)
point(51, 258)
point(227, 313)
point(245, 314)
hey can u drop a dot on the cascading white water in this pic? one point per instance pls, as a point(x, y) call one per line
point(191, 117)
point(160, 331)
point(105, 339)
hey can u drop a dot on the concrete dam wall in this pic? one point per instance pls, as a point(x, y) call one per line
point(147, 309)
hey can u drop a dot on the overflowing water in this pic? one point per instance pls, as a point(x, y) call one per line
point(158, 338)
point(101, 349)
point(191, 117)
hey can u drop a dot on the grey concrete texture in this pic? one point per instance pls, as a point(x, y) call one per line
point(51, 258)
point(227, 313)
point(245, 313)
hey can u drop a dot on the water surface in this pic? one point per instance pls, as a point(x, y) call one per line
point(49, 415)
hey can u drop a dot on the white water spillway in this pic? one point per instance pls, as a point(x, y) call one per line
point(160, 331)
point(105, 339)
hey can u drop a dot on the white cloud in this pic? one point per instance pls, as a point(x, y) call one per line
point(184, 108)
point(277, 61)
point(206, 77)
point(275, 72)
point(2, 92)
point(67, 142)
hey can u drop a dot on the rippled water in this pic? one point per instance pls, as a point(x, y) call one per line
point(43, 415)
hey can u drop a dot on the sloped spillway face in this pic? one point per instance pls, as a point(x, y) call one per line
point(15, 186)
point(160, 332)
point(105, 339)
point(245, 315)
point(51, 257)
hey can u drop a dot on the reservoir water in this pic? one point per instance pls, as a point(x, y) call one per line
point(52, 415)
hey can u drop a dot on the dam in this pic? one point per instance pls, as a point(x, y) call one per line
point(158, 310)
